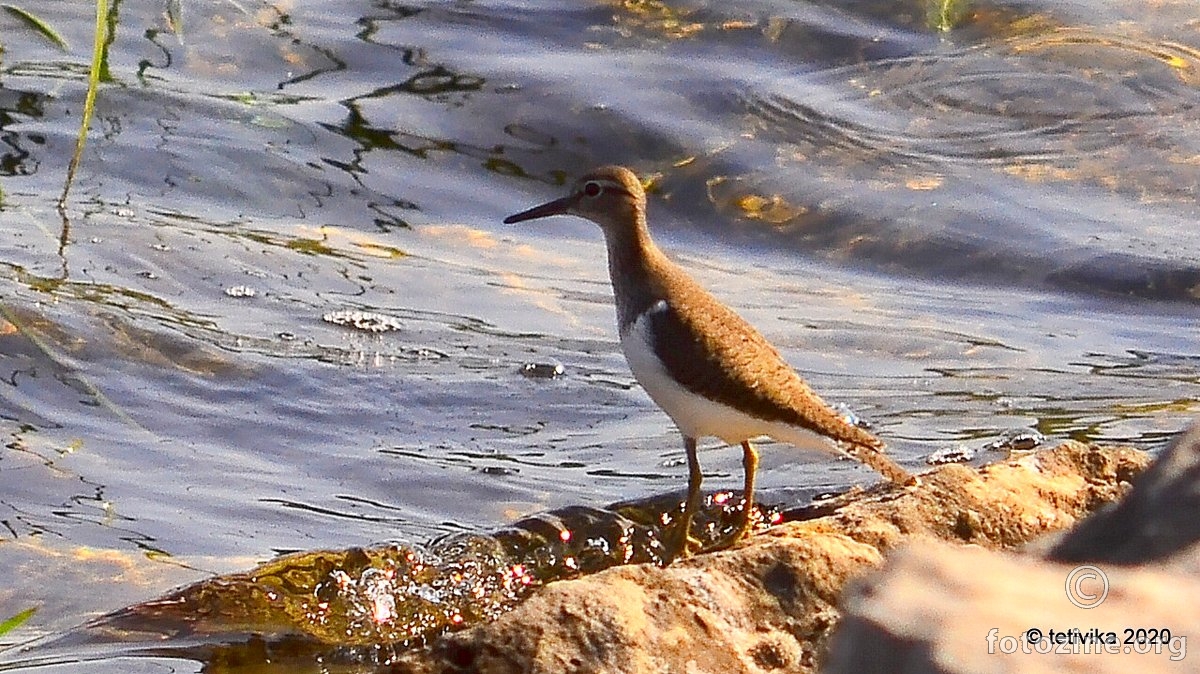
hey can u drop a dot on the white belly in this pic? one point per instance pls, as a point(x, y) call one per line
point(697, 416)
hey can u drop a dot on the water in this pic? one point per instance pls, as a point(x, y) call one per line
point(955, 234)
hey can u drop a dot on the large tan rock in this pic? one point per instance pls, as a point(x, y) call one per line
point(1128, 578)
point(771, 604)
point(1159, 521)
point(942, 609)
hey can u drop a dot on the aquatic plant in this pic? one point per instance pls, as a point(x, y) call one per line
point(17, 620)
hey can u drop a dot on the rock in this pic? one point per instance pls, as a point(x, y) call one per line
point(1159, 519)
point(770, 605)
point(1128, 576)
point(941, 609)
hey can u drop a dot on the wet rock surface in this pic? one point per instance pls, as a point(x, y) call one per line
point(772, 604)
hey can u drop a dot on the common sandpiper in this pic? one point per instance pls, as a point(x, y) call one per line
point(705, 366)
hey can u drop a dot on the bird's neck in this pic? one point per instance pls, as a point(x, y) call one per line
point(635, 265)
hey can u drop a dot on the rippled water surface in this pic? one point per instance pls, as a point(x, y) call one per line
point(954, 233)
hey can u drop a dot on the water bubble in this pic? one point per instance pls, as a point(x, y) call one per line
point(550, 370)
point(240, 291)
point(498, 470)
point(958, 454)
point(851, 417)
point(367, 321)
point(1017, 439)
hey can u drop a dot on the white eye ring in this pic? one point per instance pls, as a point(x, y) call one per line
point(592, 188)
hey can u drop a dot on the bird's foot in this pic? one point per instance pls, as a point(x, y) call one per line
point(745, 527)
point(679, 543)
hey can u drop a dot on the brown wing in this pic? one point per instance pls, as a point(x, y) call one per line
point(712, 351)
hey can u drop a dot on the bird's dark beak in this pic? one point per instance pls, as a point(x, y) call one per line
point(556, 207)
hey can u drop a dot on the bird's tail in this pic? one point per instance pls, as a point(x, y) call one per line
point(874, 457)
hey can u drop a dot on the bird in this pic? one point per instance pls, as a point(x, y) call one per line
point(713, 373)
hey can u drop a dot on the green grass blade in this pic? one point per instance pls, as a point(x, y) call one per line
point(15, 621)
point(36, 22)
point(100, 42)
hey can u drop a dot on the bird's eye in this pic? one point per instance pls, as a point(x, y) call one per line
point(592, 188)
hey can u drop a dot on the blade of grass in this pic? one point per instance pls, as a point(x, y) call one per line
point(15, 621)
point(99, 51)
point(37, 23)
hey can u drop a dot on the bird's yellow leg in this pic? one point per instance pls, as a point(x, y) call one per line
point(746, 521)
point(679, 541)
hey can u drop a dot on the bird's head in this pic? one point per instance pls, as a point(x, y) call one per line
point(610, 196)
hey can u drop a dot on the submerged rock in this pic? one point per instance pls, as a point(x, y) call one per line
point(365, 605)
